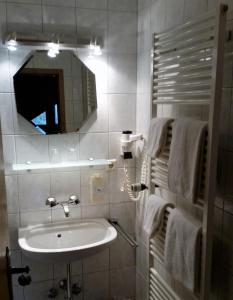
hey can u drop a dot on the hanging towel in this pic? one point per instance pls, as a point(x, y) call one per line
point(157, 135)
point(181, 254)
point(185, 157)
point(154, 211)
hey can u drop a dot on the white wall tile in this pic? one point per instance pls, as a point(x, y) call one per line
point(24, 17)
point(59, 19)
point(13, 224)
point(94, 4)
point(141, 287)
point(9, 153)
point(25, 1)
point(144, 41)
point(38, 290)
point(35, 217)
point(122, 111)
point(95, 211)
point(125, 214)
point(65, 184)
point(69, 3)
point(59, 271)
point(123, 5)
point(142, 260)
point(2, 19)
point(174, 13)
point(5, 83)
point(93, 145)
point(122, 73)
point(31, 148)
point(77, 267)
point(92, 23)
point(38, 271)
point(97, 262)
point(143, 113)
point(34, 189)
point(122, 32)
point(96, 286)
point(143, 4)
point(6, 114)
point(212, 4)
point(192, 8)
point(158, 15)
point(121, 259)
point(12, 194)
point(144, 73)
point(123, 283)
point(18, 293)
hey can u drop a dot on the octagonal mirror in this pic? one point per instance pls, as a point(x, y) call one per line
point(56, 95)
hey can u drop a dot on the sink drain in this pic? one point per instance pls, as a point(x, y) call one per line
point(58, 235)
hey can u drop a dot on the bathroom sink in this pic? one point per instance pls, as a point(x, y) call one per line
point(66, 241)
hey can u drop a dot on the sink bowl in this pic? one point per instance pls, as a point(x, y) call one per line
point(66, 241)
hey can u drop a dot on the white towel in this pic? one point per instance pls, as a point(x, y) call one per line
point(181, 255)
point(154, 211)
point(157, 135)
point(185, 157)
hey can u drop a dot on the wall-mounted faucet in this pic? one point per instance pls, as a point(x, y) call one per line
point(51, 201)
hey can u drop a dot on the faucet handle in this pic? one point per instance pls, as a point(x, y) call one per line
point(51, 201)
point(74, 199)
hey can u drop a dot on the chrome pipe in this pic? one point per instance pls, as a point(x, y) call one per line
point(69, 292)
point(122, 232)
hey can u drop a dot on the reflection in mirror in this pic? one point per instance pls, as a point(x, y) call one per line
point(56, 95)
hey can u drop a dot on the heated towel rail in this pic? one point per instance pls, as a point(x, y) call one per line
point(188, 70)
point(159, 168)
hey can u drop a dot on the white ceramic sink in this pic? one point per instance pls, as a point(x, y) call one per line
point(66, 241)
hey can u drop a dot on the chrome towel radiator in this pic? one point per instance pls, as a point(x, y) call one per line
point(188, 71)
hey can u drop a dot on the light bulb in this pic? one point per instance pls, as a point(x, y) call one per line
point(11, 48)
point(53, 49)
point(51, 53)
point(12, 45)
point(97, 51)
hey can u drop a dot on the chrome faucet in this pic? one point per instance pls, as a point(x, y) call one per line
point(73, 199)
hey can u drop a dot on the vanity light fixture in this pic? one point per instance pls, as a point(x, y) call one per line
point(52, 44)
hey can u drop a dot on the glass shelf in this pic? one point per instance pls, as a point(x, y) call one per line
point(70, 164)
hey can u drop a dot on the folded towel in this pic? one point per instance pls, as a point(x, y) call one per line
point(185, 157)
point(154, 211)
point(157, 136)
point(181, 255)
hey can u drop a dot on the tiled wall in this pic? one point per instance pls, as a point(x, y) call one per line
point(155, 16)
point(112, 272)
